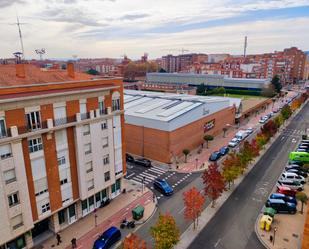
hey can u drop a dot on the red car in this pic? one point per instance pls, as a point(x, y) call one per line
point(286, 191)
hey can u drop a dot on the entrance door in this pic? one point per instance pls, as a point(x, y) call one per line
point(40, 228)
point(72, 213)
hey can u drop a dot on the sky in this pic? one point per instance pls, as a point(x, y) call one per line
point(112, 28)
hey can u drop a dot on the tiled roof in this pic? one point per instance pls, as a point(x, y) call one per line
point(35, 75)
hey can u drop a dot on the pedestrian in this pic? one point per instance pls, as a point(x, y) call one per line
point(74, 244)
point(58, 237)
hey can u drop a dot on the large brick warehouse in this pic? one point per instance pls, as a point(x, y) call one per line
point(160, 125)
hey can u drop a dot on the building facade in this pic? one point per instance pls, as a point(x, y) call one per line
point(62, 150)
point(158, 125)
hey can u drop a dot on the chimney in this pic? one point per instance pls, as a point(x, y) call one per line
point(20, 70)
point(70, 69)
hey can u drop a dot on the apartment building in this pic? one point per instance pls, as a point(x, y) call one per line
point(62, 150)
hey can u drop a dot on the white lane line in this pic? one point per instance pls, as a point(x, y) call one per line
point(149, 176)
point(217, 243)
point(181, 211)
point(140, 179)
point(159, 169)
point(132, 174)
point(155, 171)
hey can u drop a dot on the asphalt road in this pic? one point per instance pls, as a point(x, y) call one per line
point(233, 225)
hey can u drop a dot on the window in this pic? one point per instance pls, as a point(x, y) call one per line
point(61, 216)
point(107, 176)
point(35, 144)
point(116, 104)
point(17, 221)
point(104, 125)
point(60, 115)
point(90, 184)
point(83, 110)
point(2, 128)
point(102, 107)
point(105, 142)
point(13, 199)
point(45, 207)
point(33, 120)
point(89, 167)
point(106, 160)
point(64, 176)
point(64, 181)
point(61, 160)
point(87, 149)
point(9, 176)
point(86, 129)
point(5, 151)
point(40, 186)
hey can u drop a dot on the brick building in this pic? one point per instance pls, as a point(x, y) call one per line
point(159, 125)
point(62, 150)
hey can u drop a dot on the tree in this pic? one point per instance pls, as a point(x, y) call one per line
point(276, 83)
point(165, 232)
point(268, 91)
point(132, 241)
point(224, 131)
point(92, 72)
point(186, 152)
point(269, 129)
point(214, 183)
point(286, 112)
point(303, 198)
point(261, 140)
point(230, 168)
point(278, 120)
point(208, 138)
point(193, 202)
point(201, 89)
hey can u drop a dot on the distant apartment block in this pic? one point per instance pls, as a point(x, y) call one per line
point(61, 149)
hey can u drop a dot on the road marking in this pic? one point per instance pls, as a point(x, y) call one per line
point(149, 175)
point(131, 175)
point(217, 243)
point(155, 171)
point(159, 169)
point(183, 209)
point(294, 140)
point(282, 138)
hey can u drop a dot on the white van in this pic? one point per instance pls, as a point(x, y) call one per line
point(293, 177)
point(241, 135)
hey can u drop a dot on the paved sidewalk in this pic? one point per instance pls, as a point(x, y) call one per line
point(289, 229)
point(119, 208)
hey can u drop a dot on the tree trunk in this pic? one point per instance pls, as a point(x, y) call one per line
point(207, 144)
point(194, 224)
point(213, 203)
point(302, 208)
point(229, 184)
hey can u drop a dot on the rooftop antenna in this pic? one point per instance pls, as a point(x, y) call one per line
point(40, 52)
point(20, 36)
point(245, 47)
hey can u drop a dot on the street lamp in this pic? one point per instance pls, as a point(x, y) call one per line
point(275, 230)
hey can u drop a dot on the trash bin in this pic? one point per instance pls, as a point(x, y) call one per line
point(270, 211)
point(138, 212)
point(265, 222)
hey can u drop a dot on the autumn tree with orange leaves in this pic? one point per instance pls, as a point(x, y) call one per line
point(214, 183)
point(193, 202)
point(132, 241)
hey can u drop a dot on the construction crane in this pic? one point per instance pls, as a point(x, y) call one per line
point(20, 36)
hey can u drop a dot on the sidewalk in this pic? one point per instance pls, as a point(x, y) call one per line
point(289, 229)
point(119, 208)
point(199, 161)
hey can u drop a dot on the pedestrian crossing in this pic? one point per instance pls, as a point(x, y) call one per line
point(293, 132)
point(149, 175)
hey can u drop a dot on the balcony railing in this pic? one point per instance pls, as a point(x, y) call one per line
point(33, 127)
point(5, 133)
point(65, 120)
point(84, 116)
point(103, 112)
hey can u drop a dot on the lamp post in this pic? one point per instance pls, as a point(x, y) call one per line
point(275, 230)
point(196, 162)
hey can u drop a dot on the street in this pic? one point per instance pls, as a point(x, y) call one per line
point(233, 225)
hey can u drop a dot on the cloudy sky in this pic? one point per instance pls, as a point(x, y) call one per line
point(111, 28)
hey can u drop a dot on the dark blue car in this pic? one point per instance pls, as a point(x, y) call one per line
point(214, 156)
point(108, 238)
point(283, 197)
point(224, 150)
point(163, 187)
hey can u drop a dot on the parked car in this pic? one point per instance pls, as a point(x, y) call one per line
point(233, 143)
point(294, 166)
point(214, 156)
point(275, 110)
point(108, 238)
point(296, 162)
point(249, 130)
point(286, 190)
point(129, 158)
point(263, 120)
point(163, 187)
point(241, 135)
point(295, 185)
point(302, 147)
point(284, 197)
point(224, 150)
point(293, 176)
point(143, 162)
point(298, 172)
point(281, 206)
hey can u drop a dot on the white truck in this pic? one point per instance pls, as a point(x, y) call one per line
point(241, 135)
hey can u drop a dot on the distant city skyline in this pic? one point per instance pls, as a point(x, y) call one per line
point(111, 28)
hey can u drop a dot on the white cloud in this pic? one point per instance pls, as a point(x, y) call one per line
point(112, 27)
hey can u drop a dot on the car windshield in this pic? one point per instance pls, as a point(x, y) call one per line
point(164, 184)
point(234, 140)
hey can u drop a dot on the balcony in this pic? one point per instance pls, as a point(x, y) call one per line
point(64, 120)
point(32, 127)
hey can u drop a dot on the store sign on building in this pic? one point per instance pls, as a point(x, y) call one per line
point(209, 125)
